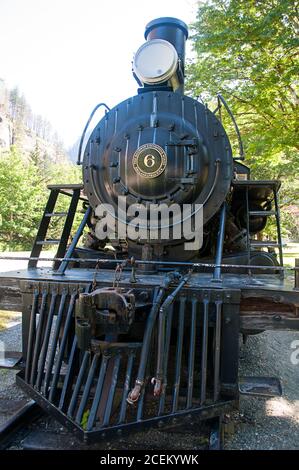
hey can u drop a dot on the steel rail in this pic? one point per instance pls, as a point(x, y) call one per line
point(20, 419)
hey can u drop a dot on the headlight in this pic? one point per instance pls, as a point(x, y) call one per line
point(155, 61)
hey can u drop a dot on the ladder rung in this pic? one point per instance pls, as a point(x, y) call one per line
point(264, 243)
point(65, 186)
point(50, 241)
point(56, 214)
point(262, 213)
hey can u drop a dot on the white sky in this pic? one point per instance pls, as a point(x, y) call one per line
point(68, 55)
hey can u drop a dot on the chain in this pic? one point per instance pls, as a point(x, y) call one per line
point(117, 275)
point(96, 269)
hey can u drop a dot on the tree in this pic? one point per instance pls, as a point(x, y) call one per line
point(13, 103)
point(247, 51)
point(21, 201)
point(23, 195)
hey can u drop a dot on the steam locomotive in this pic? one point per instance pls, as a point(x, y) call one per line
point(134, 329)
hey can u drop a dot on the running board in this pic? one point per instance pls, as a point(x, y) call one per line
point(11, 360)
point(260, 386)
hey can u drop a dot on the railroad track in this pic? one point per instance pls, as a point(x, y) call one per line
point(18, 422)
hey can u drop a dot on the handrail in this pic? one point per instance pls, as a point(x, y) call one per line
point(79, 162)
point(220, 100)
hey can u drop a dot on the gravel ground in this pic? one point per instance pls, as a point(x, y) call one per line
point(260, 423)
point(15, 264)
point(9, 392)
point(269, 423)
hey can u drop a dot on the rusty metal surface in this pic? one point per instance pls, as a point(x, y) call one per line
point(106, 310)
point(106, 277)
point(267, 302)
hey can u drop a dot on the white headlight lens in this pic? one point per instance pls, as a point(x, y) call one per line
point(155, 61)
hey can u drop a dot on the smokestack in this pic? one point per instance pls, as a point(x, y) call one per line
point(172, 30)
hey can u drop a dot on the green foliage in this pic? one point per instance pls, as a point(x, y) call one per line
point(24, 176)
point(23, 195)
point(85, 419)
point(247, 51)
point(21, 200)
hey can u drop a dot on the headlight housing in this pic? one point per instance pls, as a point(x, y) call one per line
point(156, 61)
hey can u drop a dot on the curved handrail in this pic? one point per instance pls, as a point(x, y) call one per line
point(241, 149)
point(86, 127)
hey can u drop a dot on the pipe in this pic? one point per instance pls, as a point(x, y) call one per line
point(139, 382)
point(220, 241)
point(164, 309)
point(174, 31)
point(61, 270)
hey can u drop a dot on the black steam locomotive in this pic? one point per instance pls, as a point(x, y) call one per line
point(133, 328)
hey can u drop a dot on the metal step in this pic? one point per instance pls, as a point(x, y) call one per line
point(262, 213)
point(258, 243)
point(10, 360)
point(273, 184)
point(56, 214)
point(260, 386)
point(48, 242)
point(65, 186)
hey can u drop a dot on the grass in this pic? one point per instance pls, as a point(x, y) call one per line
point(7, 317)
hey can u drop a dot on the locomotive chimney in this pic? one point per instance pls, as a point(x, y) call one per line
point(159, 63)
point(172, 30)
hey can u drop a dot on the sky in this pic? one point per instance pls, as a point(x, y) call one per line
point(68, 55)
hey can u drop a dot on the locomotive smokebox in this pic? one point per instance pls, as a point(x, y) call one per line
point(172, 30)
